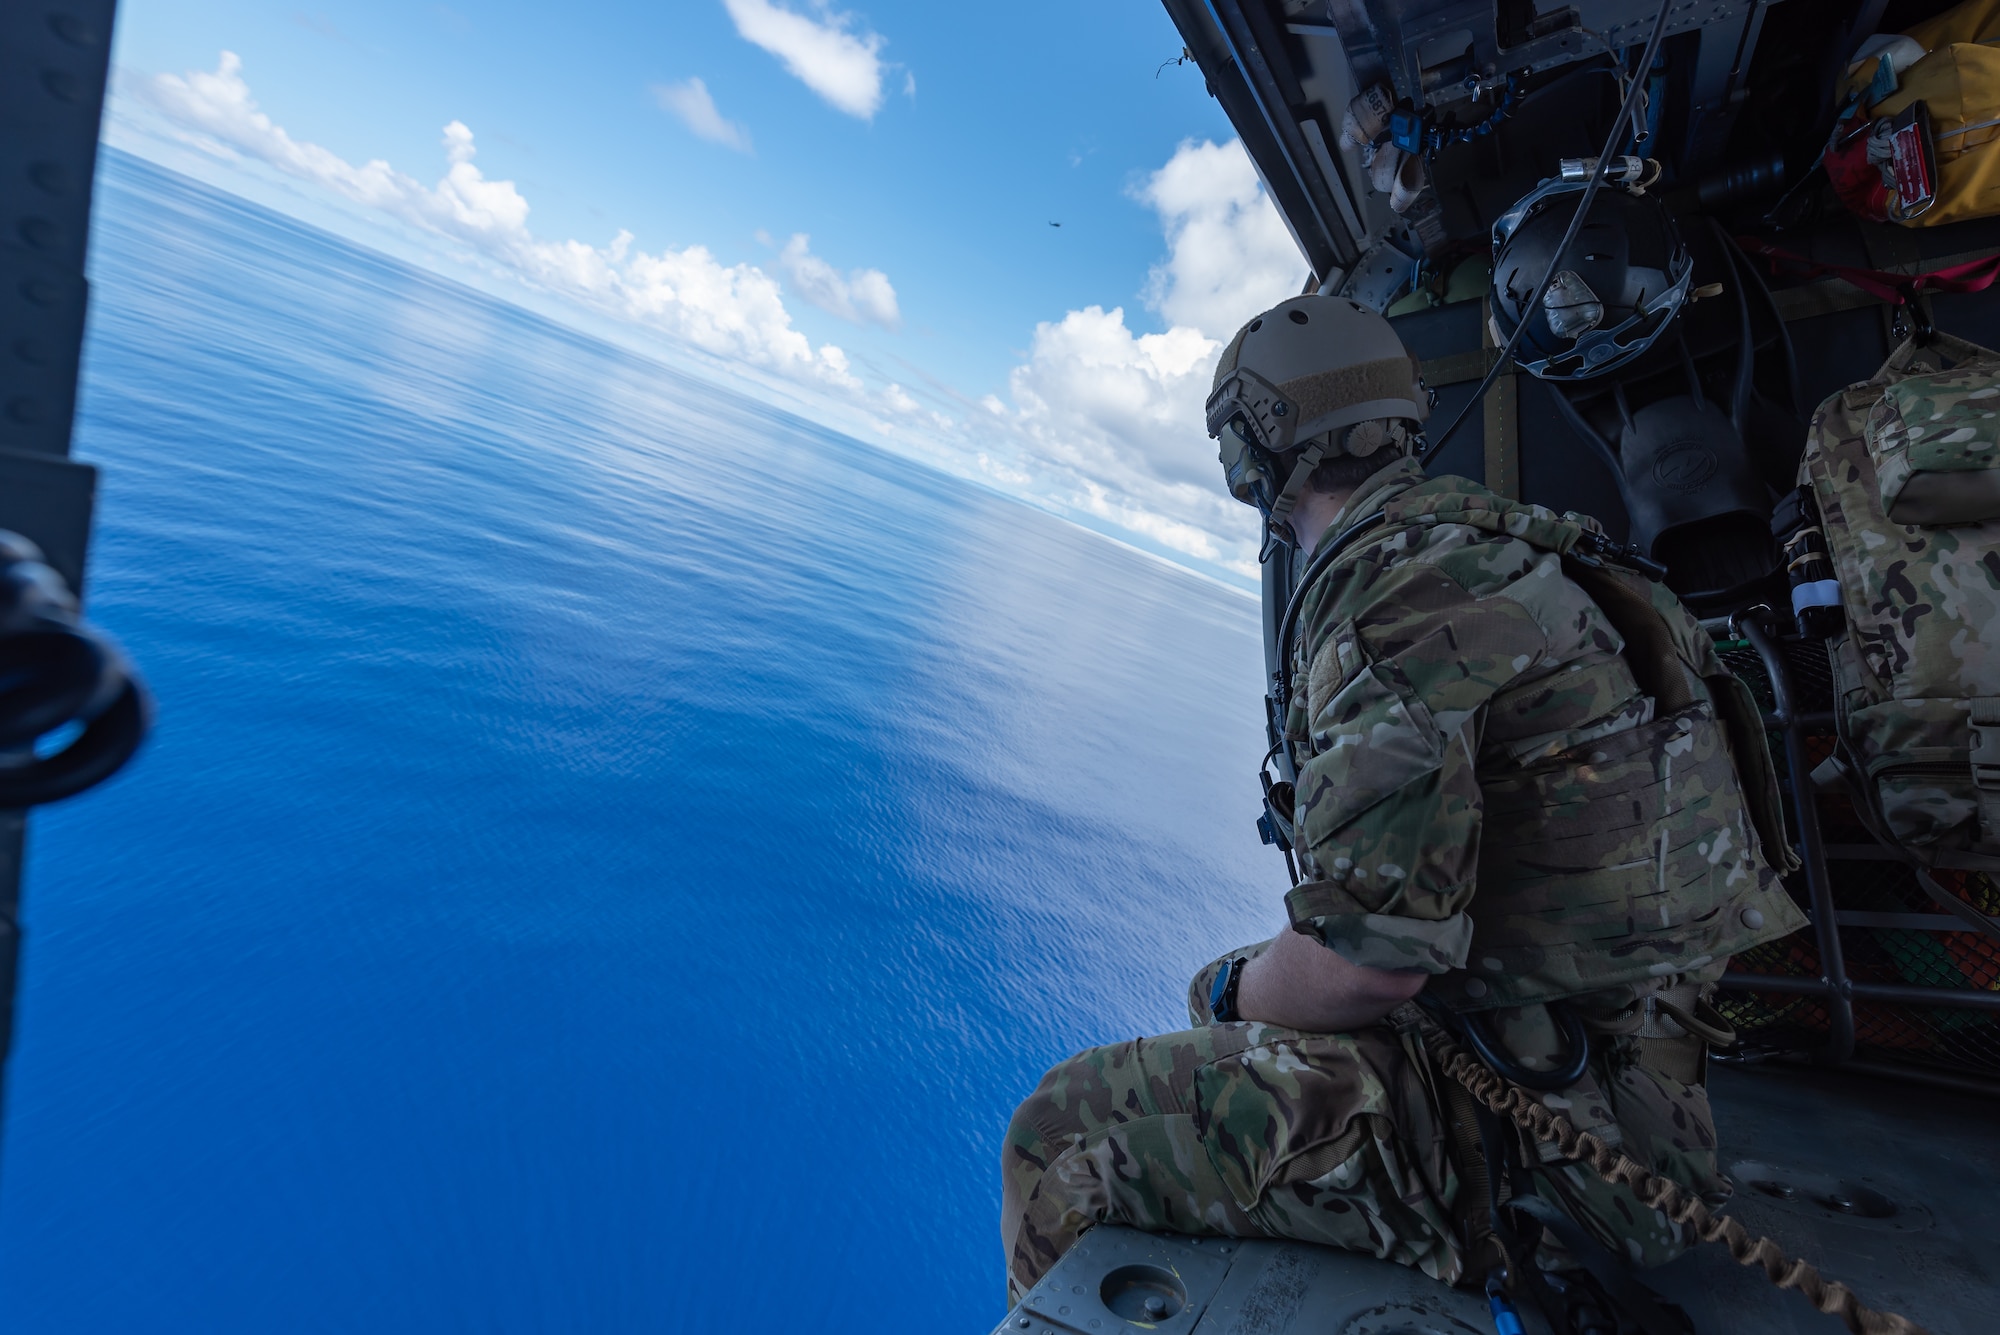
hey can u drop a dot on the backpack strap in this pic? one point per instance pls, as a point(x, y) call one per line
point(1951, 903)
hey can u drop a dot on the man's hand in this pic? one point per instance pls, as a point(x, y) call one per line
point(1301, 984)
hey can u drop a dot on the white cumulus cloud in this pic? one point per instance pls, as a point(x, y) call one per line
point(861, 296)
point(692, 102)
point(1229, 255)
point(1124, 409)
point(1110, 422)
point(823, 50)
point(1099, 431)
point(1120, 412)
point(734, 311)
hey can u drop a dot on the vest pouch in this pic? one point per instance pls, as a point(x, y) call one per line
point(1373, 737)
point(1627, 860)
point(1743, 724)
point(1935, 443)
point(1926, 799)
point(1917, 758)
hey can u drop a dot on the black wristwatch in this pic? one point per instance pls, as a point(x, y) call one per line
point(1222, 992)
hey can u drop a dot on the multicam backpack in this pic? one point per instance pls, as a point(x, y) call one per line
point(1905, 471)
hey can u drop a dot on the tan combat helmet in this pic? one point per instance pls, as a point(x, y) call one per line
point(1310, 378)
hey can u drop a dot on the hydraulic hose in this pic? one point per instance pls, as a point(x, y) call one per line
point(1611, 141)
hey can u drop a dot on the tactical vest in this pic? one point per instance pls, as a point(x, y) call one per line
point(1626, 862)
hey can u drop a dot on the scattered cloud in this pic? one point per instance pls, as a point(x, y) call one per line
point(1122, 414)
point(860, 296)
point(1100, 418)
point(1003, 473)
point(691, 102)
point(1093, 392)
point(1229, 253)
point(1118, 413)
point(735, 311)
point(823, 50)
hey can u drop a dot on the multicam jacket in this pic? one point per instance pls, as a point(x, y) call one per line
point(1509, 786)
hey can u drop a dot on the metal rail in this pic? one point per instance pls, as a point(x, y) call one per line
point(1833, 986)
point(1909, 994)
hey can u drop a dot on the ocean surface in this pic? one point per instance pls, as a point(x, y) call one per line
point(611, 855)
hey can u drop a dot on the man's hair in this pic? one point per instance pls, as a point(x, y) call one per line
point(1345, 472)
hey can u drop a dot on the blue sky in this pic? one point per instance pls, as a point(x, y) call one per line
point(921, 150)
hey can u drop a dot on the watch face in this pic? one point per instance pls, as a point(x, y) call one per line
point(1218, 991)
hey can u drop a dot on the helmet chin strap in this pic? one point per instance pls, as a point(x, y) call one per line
point(1288, 495)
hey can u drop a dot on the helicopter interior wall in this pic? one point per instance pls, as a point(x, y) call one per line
point(1559, 467)
point(1838, 349)
point(1478, 181)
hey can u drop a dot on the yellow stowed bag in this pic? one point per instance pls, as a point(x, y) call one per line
point(1959, 81)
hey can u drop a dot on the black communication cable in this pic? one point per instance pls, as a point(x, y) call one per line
point(1618, 124)
point(1322, 558)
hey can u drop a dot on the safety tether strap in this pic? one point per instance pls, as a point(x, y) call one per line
point(1531, 1115)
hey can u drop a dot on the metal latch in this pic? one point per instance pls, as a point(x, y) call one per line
point(1986, 743)
point(1986, 766)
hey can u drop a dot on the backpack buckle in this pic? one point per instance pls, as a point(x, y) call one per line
point(1986, 742)
point(1985, 760)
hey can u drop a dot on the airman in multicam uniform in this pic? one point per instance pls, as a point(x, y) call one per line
point(1526, 789)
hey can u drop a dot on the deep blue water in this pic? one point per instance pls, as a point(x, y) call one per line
point(576, 883)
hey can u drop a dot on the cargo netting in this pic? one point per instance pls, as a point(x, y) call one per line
point(1866, 880)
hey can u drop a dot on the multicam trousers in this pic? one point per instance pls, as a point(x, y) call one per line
point(1250, 1130)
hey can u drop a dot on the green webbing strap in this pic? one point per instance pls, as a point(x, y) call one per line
point(1288, 495)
